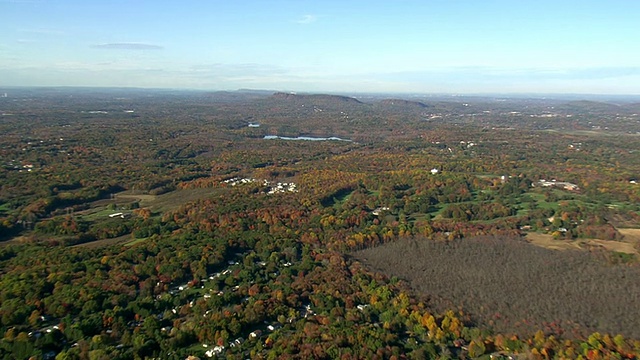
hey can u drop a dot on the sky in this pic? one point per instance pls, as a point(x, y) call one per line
point(405, 46)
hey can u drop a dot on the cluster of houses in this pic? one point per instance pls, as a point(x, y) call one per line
point(559, 184)
point(216, 350)
point(11, 165)
point(27, 167)
point(39, 333)
point(239, 181)
point(305, 311)
point(282, 187)
point(379, 210)
point(219, 350)
point(576, 146)
point(273, 188)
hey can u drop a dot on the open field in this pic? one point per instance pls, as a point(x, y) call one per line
point(630, 235)
point(105, 242)
point(125, 240)
point(99, 211)
point(168, 201)
point(157, 203)
point(627, 246)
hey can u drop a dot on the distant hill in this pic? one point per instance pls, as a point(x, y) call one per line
point(403, 103)
point(590, 106)
point(316, 99)
point(235, 96)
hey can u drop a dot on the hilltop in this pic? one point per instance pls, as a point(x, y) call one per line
point(404, 103)
point(316, 99)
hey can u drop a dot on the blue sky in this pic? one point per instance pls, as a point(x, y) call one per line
point(431, 46)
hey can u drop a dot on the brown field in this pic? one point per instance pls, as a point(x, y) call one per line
point(631, 236)
point(628, 245)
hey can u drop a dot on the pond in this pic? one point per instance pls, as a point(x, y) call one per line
point(308, 138)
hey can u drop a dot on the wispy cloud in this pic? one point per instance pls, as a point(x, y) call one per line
point(307, 19)
point(127, 46)
point(42, 31)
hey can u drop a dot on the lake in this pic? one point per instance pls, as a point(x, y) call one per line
point(308, 138)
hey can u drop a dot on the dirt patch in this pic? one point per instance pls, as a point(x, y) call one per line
point(627, 246)
point(631, 236)
point(618, 246)
point(548, 242)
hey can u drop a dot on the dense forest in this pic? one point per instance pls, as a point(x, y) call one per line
point(162, 224)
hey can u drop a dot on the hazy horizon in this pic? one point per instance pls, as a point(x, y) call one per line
point(400, 46)
point(356, 94)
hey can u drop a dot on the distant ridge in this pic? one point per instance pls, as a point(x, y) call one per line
point(324, 98)
point(591, 106)
point(235, 96)
point(403, 103)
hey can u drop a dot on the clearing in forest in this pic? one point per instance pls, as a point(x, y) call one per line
point(627, 245)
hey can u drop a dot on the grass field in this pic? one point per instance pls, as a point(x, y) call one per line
point(158, 204)
point(168, 201)
point(135, 241)
point(105, 242)
point(96, 214)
